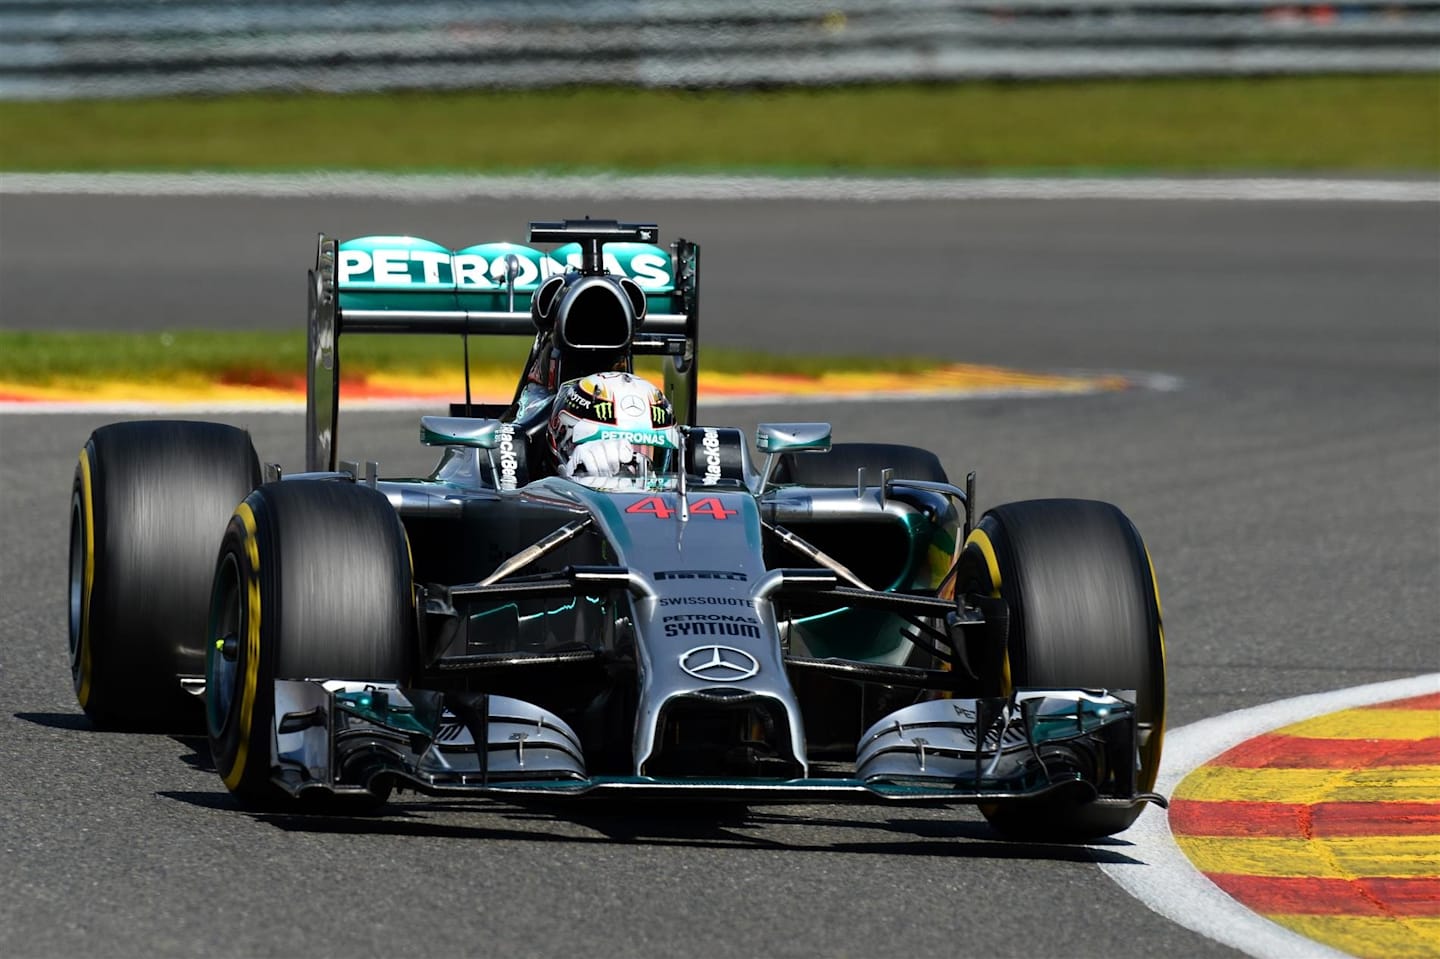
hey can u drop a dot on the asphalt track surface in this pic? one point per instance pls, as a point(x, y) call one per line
point(1287, 490)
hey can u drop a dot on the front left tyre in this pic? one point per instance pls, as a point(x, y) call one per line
point(313, 581)
point(1084, 613)
point(148, 506)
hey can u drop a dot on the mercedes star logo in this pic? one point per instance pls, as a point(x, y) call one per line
point(719, 664)
point(632, 405)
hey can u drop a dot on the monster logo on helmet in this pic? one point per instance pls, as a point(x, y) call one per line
point(591, 393)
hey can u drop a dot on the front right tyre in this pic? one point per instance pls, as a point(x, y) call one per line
point(313, 581)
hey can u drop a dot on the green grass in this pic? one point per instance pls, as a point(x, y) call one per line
point(1289, 124)
point(48, 358)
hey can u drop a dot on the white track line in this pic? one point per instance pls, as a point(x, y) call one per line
point(1168, 883)
point(379, 186)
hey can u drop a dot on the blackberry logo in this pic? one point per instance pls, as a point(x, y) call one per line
point(509, 462)
point(710, 446)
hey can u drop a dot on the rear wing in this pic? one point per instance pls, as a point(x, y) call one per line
point(405, 284)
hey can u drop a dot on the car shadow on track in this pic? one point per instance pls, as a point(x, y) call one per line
point(699, 826)
point(81, 723)
point(816, 828)
point(78, 722)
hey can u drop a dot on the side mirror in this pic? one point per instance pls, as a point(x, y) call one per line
point(459, 431)
point(776, 438)
point(793, 438)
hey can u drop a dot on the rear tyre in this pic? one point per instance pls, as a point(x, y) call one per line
point(313, 581)
point(1084, 613)
point(838, 467)
point(147, 509)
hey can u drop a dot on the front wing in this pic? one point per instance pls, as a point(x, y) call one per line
point(338, 738)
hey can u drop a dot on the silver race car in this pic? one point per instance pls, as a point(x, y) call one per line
point(801, 621)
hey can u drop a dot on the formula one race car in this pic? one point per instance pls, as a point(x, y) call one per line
point(804, 621)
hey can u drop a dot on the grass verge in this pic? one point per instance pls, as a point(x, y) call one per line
point(1385, 124)
point(260, 359)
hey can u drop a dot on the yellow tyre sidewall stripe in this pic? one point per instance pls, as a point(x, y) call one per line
point(252, 647)
point(87, 511)
point(981, 541)
point(1157, 734)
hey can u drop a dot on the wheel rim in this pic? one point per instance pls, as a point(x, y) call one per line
point(77, 579)
point(227, 622)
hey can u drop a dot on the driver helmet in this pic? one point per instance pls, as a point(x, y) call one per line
point(612, 424)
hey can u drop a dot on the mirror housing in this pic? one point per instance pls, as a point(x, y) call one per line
point(773, 439)
point(459, 431)
point(793, 438)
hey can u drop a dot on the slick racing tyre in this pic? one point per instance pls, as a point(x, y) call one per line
point(1084, 614)
point(313, 581)
point(838, 467)
point(147, 509)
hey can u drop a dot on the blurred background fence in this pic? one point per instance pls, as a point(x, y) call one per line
point(121, 48)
